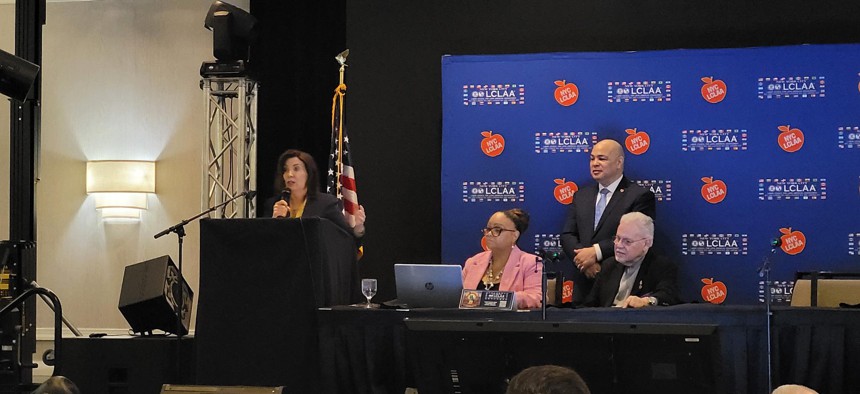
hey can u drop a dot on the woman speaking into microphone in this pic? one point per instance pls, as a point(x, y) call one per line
point(297, 180)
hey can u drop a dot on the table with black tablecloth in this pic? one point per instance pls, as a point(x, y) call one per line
point(368, 351)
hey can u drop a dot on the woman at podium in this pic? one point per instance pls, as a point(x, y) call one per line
point(298, 179)
point(504, 266)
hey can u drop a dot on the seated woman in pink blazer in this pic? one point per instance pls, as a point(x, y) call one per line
point(505, 267)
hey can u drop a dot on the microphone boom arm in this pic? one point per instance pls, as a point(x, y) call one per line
point(179, 228)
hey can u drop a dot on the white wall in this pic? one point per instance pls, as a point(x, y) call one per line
point(120, 81)
point(7, 43)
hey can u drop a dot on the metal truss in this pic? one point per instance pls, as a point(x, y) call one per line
point(230, 154)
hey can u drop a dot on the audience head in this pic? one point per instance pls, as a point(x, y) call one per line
point(57, 385)
point(607, 162)
point(547, 379)
point(633, 238)
point(505, 227)
point(296, 171)
point(794, 389)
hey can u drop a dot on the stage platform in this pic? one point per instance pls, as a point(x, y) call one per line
point(723, 349)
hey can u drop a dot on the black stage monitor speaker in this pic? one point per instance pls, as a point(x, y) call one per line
point(149, 293)
point(181, 389)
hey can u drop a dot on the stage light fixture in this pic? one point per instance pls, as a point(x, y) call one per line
point(16, 76)
point(234, 30)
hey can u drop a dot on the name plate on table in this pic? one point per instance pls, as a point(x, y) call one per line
point(488, 299)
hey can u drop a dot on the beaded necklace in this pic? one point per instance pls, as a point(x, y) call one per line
point(488, 279)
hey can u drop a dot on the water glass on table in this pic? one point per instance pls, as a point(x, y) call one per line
point(368, 288)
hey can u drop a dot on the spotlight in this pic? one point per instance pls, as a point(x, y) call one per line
point(16, 76)
point(234, 30)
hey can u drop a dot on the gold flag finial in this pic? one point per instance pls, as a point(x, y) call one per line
point(341, 59)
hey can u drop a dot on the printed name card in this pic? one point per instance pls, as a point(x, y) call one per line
point(488, 300)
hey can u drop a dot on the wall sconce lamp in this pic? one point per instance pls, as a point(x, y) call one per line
point(120, 187)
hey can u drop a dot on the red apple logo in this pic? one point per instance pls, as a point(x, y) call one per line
point(713, 191)
point(790, 140)
point(567, 291)
point(493, 144)
point(793, 242)
point(713, 292)
point(566, 93)
point(637, 142)
point(713, 91)
point(564, 191)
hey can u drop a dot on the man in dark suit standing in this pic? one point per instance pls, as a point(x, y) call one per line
point(595, 212)
point(635, 276)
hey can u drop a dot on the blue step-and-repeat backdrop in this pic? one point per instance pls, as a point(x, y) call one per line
point(740, 146)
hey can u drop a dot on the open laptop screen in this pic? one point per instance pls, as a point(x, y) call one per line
point(428, 285)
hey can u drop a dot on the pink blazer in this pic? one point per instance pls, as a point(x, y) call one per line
point(519, 276)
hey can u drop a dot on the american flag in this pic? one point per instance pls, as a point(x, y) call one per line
point(341, 176)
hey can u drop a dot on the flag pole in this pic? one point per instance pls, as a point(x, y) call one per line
point(341, 59)
point(343, 180)
point(341, 91)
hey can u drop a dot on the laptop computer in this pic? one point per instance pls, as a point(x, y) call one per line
point(428, 285)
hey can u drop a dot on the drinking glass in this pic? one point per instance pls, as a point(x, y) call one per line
point(368, 288)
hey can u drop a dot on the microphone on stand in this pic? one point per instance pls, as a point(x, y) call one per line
point(566, 285)
point(540, 256)
point(250, 194)
point(775, 243)
point(544, 255)
point(764, 272)
point(540, 253)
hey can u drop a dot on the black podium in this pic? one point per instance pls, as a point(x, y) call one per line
point(261, 281)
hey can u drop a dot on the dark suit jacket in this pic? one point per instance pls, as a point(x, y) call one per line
point(579, 231)
point(657, 277)
point(322, 205)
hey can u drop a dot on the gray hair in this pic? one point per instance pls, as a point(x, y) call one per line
point(640, 220)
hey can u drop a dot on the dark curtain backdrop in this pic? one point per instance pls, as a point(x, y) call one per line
point(394, 107)
point(297, 74)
